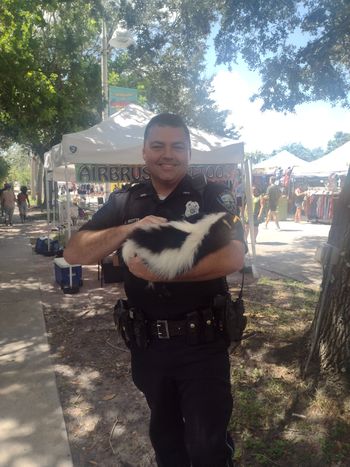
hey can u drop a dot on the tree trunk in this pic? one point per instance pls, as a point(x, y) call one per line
point(331, 325)
point(39, 184)
point(34, 176)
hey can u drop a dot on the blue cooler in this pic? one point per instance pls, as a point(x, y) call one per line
point(41, 246)
point(62, 273)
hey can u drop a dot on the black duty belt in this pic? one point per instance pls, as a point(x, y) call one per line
point(199, 326)
point(164, 329)
point(192, 327)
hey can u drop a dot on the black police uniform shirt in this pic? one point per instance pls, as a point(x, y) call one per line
point(168, 300)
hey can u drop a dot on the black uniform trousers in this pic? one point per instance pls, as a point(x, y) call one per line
point(187, 388)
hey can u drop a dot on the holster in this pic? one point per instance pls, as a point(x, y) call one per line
point(122, 320)
point(140, 329)
point(131, 324)
point(230, 317)
point(200, 327)
point(235, 319)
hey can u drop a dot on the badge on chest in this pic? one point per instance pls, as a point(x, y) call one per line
point(192, 208)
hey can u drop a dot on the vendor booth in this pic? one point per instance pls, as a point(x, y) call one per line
point(337, 161)
point(282, 167)
point(323, 178)
point(283, 160)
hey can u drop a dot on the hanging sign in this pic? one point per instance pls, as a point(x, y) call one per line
point(121, 97)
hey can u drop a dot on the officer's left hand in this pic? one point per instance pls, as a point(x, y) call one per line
point(138, 268)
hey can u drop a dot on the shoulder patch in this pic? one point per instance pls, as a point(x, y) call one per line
point(228, 201)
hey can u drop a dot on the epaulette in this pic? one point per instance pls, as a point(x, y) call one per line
point(136, 186)
point(199, 182)
point(128, 187)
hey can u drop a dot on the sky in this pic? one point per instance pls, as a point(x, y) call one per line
point(312, 125)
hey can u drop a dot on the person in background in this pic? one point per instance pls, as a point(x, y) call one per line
point(272, 196)
point(74, 210)
point(299, 193)
point(23, 203)
point(239, 196)
point(8, 201)
point(258, 208)
point(183, 373)
point(1, 204)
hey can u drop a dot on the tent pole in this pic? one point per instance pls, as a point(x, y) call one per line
point(68, 220)
point(47, 208)
point(249, 200)
point(54, 200)
point(68, 200)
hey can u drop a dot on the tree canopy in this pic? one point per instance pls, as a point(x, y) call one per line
point(17, 159)
point(50, 65)
point(45, 72)
point(338, 139)
point(301, 49)
point(50, 59)
point(4, 169)
point(302, 152)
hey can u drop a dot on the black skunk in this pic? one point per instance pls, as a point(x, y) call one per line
point(174, 248)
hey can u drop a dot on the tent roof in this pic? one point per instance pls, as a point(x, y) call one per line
point(119, 140)
point(337, 161)
point(283, 159)
point(58, 171)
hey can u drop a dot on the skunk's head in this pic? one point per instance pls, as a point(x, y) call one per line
point(175, 247)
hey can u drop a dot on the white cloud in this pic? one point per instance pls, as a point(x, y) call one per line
point(313, 125)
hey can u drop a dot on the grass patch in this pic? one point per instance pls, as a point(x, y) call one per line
point(278, 418)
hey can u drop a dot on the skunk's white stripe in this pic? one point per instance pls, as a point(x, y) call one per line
point(171, 262)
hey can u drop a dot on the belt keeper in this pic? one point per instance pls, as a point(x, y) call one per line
point(208, 325)
point(193, 328)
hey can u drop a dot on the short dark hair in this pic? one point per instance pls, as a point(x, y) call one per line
point(167, 119)
point(256, 189)
point(272, 179)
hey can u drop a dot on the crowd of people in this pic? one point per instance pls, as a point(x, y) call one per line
point(8, 201)
point(266, 202)
point(265, 207)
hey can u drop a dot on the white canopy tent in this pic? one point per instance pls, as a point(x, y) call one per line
point(119, 140)
point(283, 159)
point(337, 161)
point(58, 172)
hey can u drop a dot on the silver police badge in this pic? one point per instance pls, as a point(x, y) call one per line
point(192, 208)
point(228, 201)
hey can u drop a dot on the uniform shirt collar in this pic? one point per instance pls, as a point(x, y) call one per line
point(183, 188)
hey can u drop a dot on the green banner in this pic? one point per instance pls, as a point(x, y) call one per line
point(121, 97)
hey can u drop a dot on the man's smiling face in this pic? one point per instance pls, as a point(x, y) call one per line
point(166, 153)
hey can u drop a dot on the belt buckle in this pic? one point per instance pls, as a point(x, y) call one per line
point(162, 329)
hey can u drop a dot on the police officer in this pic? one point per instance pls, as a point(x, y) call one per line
point(181, 364)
